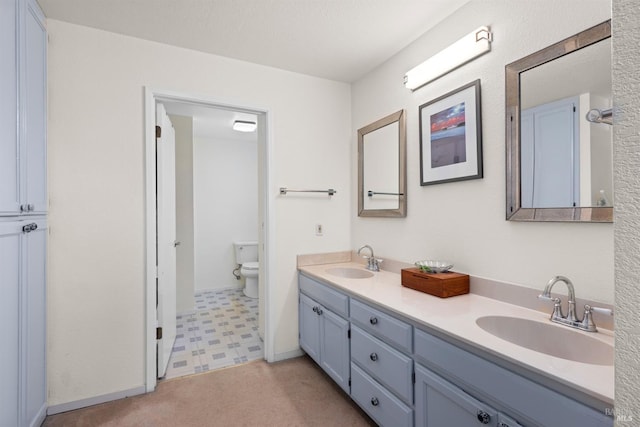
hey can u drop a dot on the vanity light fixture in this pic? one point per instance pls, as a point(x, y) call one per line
point(471, 46)
point(244, 126)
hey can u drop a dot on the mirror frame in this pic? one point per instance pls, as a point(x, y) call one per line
point(401, 212)
point(514, 210)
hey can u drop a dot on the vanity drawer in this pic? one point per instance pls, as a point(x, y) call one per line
point(384, 363)
point(524, 399)
point(379, 403)
point(388, 328)
point(331, 299)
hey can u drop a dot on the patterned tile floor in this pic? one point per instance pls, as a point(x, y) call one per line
point(222, 331)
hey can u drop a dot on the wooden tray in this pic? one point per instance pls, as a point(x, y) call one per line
point(442, 285)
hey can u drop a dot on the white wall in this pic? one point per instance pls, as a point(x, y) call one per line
point(225, 179)
point(626, 137)
point(96, 282)
point(185, 265)
point(465, 221)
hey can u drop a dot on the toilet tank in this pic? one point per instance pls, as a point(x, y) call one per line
point(246, 251)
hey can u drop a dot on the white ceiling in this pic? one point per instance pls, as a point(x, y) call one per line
point(213, 123)
point(335, 39)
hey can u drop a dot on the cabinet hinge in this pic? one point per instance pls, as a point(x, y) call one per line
point(158, 131)
point(413, 377)
point(349, 333)
point(159, 333)
point(349, 381)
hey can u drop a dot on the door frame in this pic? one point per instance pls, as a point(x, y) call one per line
point(267, 221)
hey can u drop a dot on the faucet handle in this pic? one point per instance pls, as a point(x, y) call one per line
point(548, 298)
point(600, 310)
point(587, 322)
point(557, 308)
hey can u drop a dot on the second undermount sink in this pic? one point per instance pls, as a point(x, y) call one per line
point(550, 339)
point(349, 273)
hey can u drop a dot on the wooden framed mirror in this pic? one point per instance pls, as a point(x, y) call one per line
point(559, 163)
point(382, 167)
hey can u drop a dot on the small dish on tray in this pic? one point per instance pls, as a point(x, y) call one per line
point(430, 266)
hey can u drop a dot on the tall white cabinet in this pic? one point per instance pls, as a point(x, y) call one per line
point(23, 209)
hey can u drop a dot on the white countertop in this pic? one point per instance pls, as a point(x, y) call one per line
point(456, 317)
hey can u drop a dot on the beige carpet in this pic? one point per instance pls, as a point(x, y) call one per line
point(293, 392)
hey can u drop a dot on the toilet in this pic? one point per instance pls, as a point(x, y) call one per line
point(247, 257)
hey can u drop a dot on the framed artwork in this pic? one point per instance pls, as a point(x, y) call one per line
point(451, 136)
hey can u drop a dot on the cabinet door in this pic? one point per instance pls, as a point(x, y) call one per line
point(9, 167)
point(10, 244)
point(334, 347)
point(440, 403)
point(33, 126)
point(309, 324)
point(34, 322)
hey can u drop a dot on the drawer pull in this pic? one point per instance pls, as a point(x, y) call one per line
point(483, 417)
point(374, 401)
point(373, 320)
point(373, 357)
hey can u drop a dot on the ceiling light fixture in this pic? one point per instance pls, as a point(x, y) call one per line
point(459, 53)
point(244, 126)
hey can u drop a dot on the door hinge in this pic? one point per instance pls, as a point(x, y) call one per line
point(349, 333)
point(159, 333)
point(158, 132)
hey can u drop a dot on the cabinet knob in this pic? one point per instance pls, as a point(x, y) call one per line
point(374, 401)
point(30, 207)
point(315, 308)
point(483, 417)
point(319, 312)
point(373, 357)
point(22, 208)
point(29, 227)
point(373, 320)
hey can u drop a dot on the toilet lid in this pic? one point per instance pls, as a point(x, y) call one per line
point(253, 265)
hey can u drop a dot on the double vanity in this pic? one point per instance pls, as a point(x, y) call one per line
point(408, 358)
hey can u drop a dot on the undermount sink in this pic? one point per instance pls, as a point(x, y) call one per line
point(550, 339)
point(349, 273)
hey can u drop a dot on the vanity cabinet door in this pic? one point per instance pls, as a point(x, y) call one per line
point(324, 336)
point(440, 403)
point(309, 324)
point(334, 347)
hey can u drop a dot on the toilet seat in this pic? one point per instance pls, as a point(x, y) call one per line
point(252, 265)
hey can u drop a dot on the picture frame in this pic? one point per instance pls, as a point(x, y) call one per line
point(451, 136)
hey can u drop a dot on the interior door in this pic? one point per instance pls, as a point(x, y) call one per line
point(550, 155)
point(166, 236)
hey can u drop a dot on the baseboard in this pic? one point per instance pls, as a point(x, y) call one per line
point(288, 355)
point(83, 403)
point(39, 419)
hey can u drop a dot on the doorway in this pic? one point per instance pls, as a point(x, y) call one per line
point(265, 218)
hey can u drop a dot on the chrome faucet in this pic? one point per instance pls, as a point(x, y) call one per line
point(373, 263)
point(571, 319)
